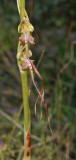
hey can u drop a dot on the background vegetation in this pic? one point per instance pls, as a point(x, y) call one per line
point(55, 27)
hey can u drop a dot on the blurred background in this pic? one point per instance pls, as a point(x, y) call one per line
point(55, 33)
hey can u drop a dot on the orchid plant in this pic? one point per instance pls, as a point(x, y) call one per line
point(24, 54)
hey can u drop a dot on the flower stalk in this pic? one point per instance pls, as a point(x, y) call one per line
point(21, 7)
point(23, 58)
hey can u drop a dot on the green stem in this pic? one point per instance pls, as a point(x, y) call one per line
point(25, 98)
point(22, 7)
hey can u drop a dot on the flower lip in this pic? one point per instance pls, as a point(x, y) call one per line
point(26, 38)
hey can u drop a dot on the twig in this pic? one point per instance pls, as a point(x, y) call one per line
point(11, 119)
point(67, 148)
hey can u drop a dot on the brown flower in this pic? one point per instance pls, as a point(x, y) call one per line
point(26, 38)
